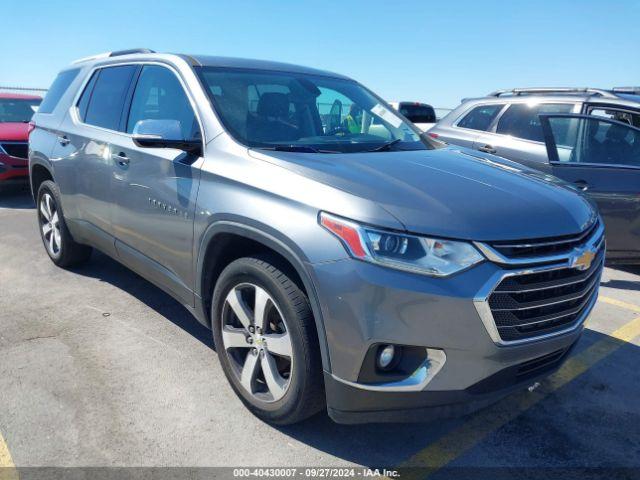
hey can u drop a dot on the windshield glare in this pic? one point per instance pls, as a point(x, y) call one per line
point(17, 110)
point(304, 112)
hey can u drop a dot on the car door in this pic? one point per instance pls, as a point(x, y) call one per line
point(83, 153)
point(517, 135)
point(602, 157)
point(154, 189)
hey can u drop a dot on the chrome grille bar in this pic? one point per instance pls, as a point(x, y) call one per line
point(546, 295)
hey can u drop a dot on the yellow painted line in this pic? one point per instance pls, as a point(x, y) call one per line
point(481, 424)
point(8, 470)
point(619, 303)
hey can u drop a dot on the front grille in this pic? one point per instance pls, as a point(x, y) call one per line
point(544, 247)
point(532, 304)
point(16, 149)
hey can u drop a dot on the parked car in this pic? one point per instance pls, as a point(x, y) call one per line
point(373, 274)
point(421, 115)
point(603, 135)
point(15, 113)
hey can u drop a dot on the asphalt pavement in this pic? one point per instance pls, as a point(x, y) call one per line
point(99, 368)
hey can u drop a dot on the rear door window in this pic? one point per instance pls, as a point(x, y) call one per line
point(107, 99)
point(521, 120)
point(481, 117)
point(57, 90)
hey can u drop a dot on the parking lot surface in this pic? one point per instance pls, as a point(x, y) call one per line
point(100, 368)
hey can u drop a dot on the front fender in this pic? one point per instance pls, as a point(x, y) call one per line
point(276, 241)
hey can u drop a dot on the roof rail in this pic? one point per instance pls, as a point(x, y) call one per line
point(92, 57)
point(630, 90)
point(525, 91)
point(131, 51)
point(117, 53)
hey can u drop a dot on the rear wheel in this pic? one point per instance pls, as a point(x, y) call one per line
point(57, 239)
point(266, 341)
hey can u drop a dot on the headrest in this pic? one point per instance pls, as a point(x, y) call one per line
point(616, 133)
point(273, 104)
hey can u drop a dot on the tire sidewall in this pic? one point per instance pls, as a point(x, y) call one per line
point(50, 188)
point(242, 271)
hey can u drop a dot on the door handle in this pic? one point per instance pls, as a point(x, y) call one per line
point(487, 149)
point(121, 158)
point(64, 140)
point(582, 185)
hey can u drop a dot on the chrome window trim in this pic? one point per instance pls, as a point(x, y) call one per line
point(74, 112)
point(415, 382)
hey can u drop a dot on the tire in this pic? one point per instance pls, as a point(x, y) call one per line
point(58, 242)
point(282, 390)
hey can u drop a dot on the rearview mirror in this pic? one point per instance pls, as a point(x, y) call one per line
point(164, 134)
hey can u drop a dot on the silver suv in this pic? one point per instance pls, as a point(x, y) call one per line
point(344, 263)
point(588, 137)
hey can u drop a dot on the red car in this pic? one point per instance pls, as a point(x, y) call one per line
point(15, 113)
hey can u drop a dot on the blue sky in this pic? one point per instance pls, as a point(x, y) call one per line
point(432, 51)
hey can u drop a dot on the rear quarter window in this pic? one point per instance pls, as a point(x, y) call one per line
point(481, 117)
point(57, 90)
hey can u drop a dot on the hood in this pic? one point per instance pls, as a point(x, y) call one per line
point(450, 192)
point(14, 131)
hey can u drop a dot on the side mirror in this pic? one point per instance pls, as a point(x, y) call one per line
point(164, 134)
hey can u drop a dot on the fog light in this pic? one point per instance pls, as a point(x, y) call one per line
point(386, 356)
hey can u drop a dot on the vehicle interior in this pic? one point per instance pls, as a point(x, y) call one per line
point(267, 109)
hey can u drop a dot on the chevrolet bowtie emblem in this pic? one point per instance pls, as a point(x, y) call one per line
point(583, 260)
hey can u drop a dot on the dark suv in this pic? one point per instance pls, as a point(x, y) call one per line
point(588, 137)
point(340, 262)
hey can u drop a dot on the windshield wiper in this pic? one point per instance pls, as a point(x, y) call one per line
point(296, 148)
point(385, 146)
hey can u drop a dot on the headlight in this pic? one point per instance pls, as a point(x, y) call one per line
point(429, 256)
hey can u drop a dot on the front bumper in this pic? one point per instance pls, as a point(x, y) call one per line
point(13, 170)
point(364, 305)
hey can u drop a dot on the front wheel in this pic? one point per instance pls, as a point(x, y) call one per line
point(266, 341)
point(57, 240)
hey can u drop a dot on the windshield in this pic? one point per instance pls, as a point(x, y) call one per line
point(306, 113)
point(17, 110)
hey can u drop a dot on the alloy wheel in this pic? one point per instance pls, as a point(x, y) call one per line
point(50, 224)
point(257, 342)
